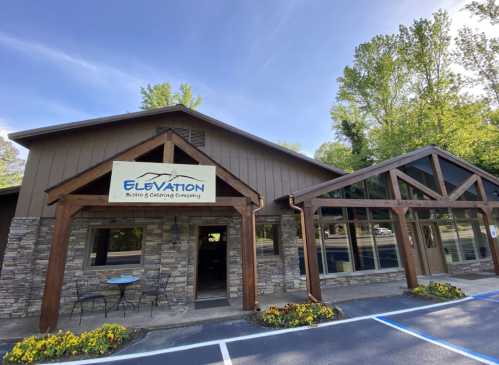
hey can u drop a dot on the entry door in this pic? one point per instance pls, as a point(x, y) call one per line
point(413, 237)
point(212, 262)
point(432, 249)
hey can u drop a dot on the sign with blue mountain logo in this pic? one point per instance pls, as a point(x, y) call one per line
point(148, 182)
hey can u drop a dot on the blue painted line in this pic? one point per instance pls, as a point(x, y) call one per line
point(450, 346)
point(486, 294)
point(486, 299)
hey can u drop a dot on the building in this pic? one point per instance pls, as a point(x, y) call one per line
point(280, 221)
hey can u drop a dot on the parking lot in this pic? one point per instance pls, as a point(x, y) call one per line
point(459, 332)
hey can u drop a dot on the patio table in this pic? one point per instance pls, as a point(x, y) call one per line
point(123, 282)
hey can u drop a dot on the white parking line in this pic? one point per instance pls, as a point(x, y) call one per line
point(255, 335)
point(225, 353)
point(484, 359)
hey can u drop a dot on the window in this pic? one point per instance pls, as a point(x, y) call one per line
point(386, 245)
point(454, 175)
point(267, 239)
point(363, 246)
point(301, 254)
point(336, 247)
point(467, 241)
point(422, 171)
point(116, 246)
point(449, 241)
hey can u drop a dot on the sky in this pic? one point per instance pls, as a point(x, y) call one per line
point(267, 67)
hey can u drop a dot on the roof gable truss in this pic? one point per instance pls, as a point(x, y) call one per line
point(392, 167)
point(168, 139)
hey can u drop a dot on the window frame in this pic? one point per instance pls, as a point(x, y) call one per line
point(92, 229)
point(277, 227)
point(370, 222)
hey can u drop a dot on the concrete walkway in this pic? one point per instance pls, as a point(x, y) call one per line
point(163, 317)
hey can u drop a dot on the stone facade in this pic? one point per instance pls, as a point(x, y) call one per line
point(23, 276)
point(470, 266)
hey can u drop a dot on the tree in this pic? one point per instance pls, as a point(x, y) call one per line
point(336, 154)
point(160, 95)
point(290, 146)
point(479, 54)
point(401, 93)
point(11, 166)
point(486, 11)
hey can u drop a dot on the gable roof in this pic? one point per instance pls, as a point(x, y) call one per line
point(24, 137)
point(384, 166)
point(169, 136)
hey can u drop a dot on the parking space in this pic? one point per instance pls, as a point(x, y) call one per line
point(460, 332)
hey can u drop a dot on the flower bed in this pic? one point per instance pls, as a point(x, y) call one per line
point(295, 315)
point(441, 291)
point(98, 342)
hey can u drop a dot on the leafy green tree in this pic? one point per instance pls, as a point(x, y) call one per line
point(479, 54)
point(488, 10)
point(161, 95)
point(401, 94)
point(11, 166)
point(290, 146)
point(337, 154)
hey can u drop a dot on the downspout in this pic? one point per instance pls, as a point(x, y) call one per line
point(305, 253)
point(253, 222)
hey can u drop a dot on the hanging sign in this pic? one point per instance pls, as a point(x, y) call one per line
point(493, 231)
point(148, 182)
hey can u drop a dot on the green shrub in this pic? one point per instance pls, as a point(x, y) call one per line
point(439, 290)
point(64, 344)
point(294, 315)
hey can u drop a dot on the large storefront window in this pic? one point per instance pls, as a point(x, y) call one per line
point(354, 239)
point(116, 246)
point(461, 232)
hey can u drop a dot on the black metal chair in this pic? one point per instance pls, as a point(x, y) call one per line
point(155, 291)
point(84, 295)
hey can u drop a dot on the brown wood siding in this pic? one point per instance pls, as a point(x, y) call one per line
point(53, 159)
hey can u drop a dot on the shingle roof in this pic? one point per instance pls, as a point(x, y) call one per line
point(24, 137)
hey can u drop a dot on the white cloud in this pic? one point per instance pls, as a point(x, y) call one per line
point(86, 70)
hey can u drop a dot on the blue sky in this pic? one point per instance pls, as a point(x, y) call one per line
point(268, 67)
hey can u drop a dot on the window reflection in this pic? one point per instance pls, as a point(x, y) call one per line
point(336, 248)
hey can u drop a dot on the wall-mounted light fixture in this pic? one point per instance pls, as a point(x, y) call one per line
point(175, 232)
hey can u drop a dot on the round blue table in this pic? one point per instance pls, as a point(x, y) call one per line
point(123, 282)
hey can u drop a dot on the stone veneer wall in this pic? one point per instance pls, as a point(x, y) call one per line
point(470, 266)
point(22, 278)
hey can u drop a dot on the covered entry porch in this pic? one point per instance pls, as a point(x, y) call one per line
point(427, 211)
point(82, 201)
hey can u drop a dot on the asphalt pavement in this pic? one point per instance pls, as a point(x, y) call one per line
point(381, 331)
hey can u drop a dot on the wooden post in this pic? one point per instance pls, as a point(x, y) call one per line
point(310, 252)
point(494, 252)
point(168, 149)
point(55, 270)
point(248, 259)
point(405, 247)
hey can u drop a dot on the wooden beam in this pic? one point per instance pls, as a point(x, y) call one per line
point(481, 189)
point(310, 253)
point(394, 185)
point(463, 187)
point(222, 173)
point(56, 265)
point(248, 259)
point(416, 184)
point(381, 203)
point(168, 149)
point(494, 251)
point(93, 173)
point(102, 201)
point(341, 182)
point(439, 176)
point(405, 247)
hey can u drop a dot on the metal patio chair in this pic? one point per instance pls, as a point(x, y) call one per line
point(84, 295)
point(155, 292)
